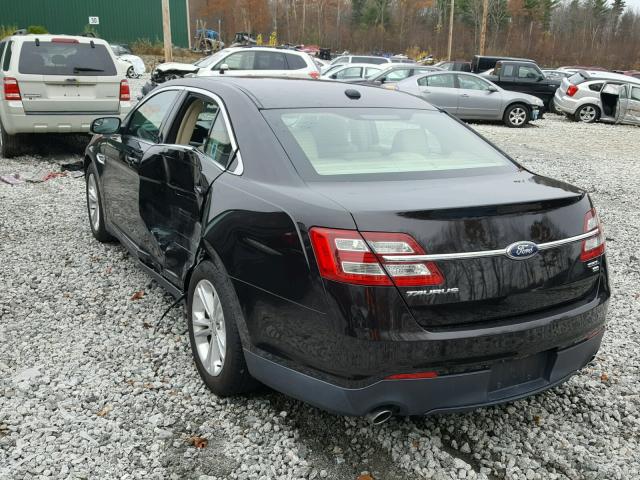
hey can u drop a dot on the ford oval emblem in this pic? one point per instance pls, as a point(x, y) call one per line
point(522, 250)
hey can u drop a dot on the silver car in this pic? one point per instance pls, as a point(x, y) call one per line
point(591, 96)
point(471, 97)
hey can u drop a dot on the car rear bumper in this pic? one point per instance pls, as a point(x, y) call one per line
point(16, 120)
point(503, 382)
point(564, 103)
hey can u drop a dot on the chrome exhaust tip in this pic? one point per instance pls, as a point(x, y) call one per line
point(379, 415)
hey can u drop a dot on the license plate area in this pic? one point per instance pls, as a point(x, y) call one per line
point(513, 374)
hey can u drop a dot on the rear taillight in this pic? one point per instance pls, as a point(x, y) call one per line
point(412, 376)
point(593, 246)
point(125, 93)
point(571, 90)
point(11, 89)
point(357, 257)
point(64, 40)
point(314, 74)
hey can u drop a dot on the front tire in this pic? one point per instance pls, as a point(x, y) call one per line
point(94, 206)
point(212, 317)
point(516, 115)
point(587, 113)
point(9, 144)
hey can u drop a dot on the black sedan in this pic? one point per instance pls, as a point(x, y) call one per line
point(350, 246)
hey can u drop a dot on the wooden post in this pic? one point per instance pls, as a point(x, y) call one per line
point(166, 31)
point(483, 31)
point(451, 29)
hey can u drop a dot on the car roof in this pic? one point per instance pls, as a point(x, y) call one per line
point(264, 49)
point(49, 36)
point(270, 93)
point(597, 75)
point(358, 64)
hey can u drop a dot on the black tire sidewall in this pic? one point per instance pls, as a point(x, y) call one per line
point(234, 377)
point(101, 234)
point(508, 111)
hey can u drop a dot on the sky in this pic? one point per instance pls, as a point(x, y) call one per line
point(634, 4)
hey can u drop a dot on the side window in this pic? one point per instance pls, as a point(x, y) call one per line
point(218, 144)
point(238, 61)
point(351, 72)
point(7, 57)
point(295, 62)
point(2, 47)
point(529, 73)
point(635, 93)
point(442, 81)
point(596, 87)
point(397, 75)
point(507, 70)
point(370, 71)
point(472, 83)
point(196, 121)
point(269, 61)
point(340, 61)
point(145, 122)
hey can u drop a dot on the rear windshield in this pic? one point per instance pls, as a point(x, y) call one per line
point(577, 78)
point(58, 58)
point(373, 143)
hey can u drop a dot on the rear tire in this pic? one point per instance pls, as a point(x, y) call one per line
point(94, 206)
point(587, 113)
point(516, 115)
point(9, 144)
point(131, 73)
point(212, 318)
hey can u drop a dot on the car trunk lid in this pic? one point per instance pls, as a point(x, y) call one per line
point(480, 214)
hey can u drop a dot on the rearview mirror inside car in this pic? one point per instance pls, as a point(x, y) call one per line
point(223, 68)
point(105, 125)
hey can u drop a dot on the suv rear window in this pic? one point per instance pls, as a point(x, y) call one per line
point(381, 143)
point(62, 58)
point(296, 62)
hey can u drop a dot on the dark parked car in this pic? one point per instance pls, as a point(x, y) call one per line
point(454, 65)
point(350, 246)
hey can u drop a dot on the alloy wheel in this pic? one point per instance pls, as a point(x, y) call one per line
point(209, 329)
point(588, 114)
point(517, 116)
point(92, 200)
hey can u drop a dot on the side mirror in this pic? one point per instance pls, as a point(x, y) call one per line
point(223, 68)
point(382, 80)
point(334, 76)
point(106, 125)
point(541, 78)
point(492, 89)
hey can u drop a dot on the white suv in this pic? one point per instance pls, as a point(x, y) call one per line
point(245, 62)
point(57, 84)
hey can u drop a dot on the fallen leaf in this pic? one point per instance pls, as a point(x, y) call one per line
point(137, 295)
point(198, 442)
point(146, 325)
point(537, 419)
point(109, 269)
point(604, 377)
point(106, 409)
point(415, 443)
point(366, 476)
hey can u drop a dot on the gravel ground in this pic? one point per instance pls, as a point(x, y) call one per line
point(88, 390)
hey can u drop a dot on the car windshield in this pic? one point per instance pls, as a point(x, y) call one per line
point(66, 57)
point(382, 143)
point(210, 60)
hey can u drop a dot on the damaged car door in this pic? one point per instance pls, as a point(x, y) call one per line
point(175, 178)
point(629, 105)
point(123, 155)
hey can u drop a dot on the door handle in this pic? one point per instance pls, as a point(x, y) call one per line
point(464, 95)
point(132, 161)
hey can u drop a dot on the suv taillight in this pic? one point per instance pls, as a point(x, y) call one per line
point(594, 246)
point(357, 257)
point(571, 90)
point(11, 89)
point(125, 93)
point(314, 74)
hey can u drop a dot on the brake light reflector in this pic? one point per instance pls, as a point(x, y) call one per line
point(594, 246)
point(412, 376)
point(353, 257)
point(64, 40)
point(11, 89)
point(571, 90)
point(125, 93)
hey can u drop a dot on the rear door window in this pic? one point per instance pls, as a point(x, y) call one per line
point(472, 83)
point(635, 93)
point(596, 87)
point(400, 74)
point(349, 73)
point(269, 61)
point(66, 58)
point(507, 70)
point(441, 81)
point(145, 122)
point(218, 144)
point(295, 62)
